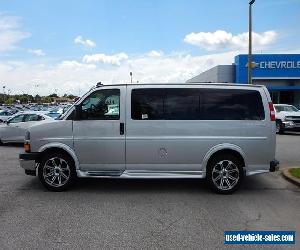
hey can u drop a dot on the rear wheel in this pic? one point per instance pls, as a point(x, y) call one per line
point(57, 171)
point(225, 173)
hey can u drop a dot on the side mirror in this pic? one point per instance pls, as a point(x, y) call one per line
point(77, 113)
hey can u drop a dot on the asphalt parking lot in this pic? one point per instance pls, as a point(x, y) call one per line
point(135, 214)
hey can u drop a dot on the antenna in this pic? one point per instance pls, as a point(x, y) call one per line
point(99, 84)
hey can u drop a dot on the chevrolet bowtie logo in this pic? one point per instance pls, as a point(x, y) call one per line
point(254, 65)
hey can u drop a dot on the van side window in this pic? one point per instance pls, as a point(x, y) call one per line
point(102, 105)
point(182, 104)
point(231, 104)
point(196, 104)
point(147, 104)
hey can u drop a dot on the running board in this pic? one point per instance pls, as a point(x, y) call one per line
point(141, 174)
point(99, 173)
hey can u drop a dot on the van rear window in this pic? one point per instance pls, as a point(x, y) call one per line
point(196, 104)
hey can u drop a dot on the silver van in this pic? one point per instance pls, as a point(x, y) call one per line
point(221, 132)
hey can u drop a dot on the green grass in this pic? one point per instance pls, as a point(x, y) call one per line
point(295, 172)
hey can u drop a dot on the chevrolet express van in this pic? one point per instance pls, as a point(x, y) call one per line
point(221, 132)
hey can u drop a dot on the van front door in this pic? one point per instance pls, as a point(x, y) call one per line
point(99, 136)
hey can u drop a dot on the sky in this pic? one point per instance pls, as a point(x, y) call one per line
point(67, 46)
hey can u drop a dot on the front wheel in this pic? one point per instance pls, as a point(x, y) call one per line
point(57, 171)
point(225, 173)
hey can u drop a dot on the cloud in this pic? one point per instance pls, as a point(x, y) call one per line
point(86, 43)
point(222, 40)
point(37, 52)
point(10, 32)
point(115, 59)
point(77, 77)
point(8, 22)
point(74, 65)
point(154, 53)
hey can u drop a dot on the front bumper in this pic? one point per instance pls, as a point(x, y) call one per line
point(28, 162)
point(288, 125)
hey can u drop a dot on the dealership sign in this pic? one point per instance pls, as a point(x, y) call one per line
point(272, 66)
point(278, 65)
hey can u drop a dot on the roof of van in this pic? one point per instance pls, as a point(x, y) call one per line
point(183, 84)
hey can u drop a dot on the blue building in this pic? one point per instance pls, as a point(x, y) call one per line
point(280, 73)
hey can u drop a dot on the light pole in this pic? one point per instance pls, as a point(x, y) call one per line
point(36, 96)
point(4, 93)
point(130, 76)
point(250, 43)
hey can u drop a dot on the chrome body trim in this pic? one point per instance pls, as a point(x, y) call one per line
point(249, 173)
point(142, 174)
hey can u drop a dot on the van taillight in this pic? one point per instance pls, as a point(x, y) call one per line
point(272, 112)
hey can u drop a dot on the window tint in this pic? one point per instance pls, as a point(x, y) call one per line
point(231, 104)
point(4, 113)
point(196, 104)
point(279, 108)
point(32, 117)
point(147, 104)
point(182, 104)
point(102, 105)
point(290, 108)
point(18, 118)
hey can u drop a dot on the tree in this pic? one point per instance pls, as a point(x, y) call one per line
point(10, 100)
point(53, 95)
point(71, 96)
point(46, 99)
point(37, 98)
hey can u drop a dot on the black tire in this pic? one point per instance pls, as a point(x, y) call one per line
point(226, 168)
point(279, 127)
point(58, 168)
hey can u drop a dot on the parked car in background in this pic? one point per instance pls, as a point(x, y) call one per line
point(5, 115)
point(54, 115)
point(13, 130)
point(210, 131)
point(287, 118)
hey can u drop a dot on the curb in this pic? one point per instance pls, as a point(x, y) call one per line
point(290, 178)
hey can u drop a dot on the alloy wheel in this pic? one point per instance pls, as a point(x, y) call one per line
point(56, 172)
point(225, 175)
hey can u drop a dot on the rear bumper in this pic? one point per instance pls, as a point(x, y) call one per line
point(274, 166)
point(28, 162)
